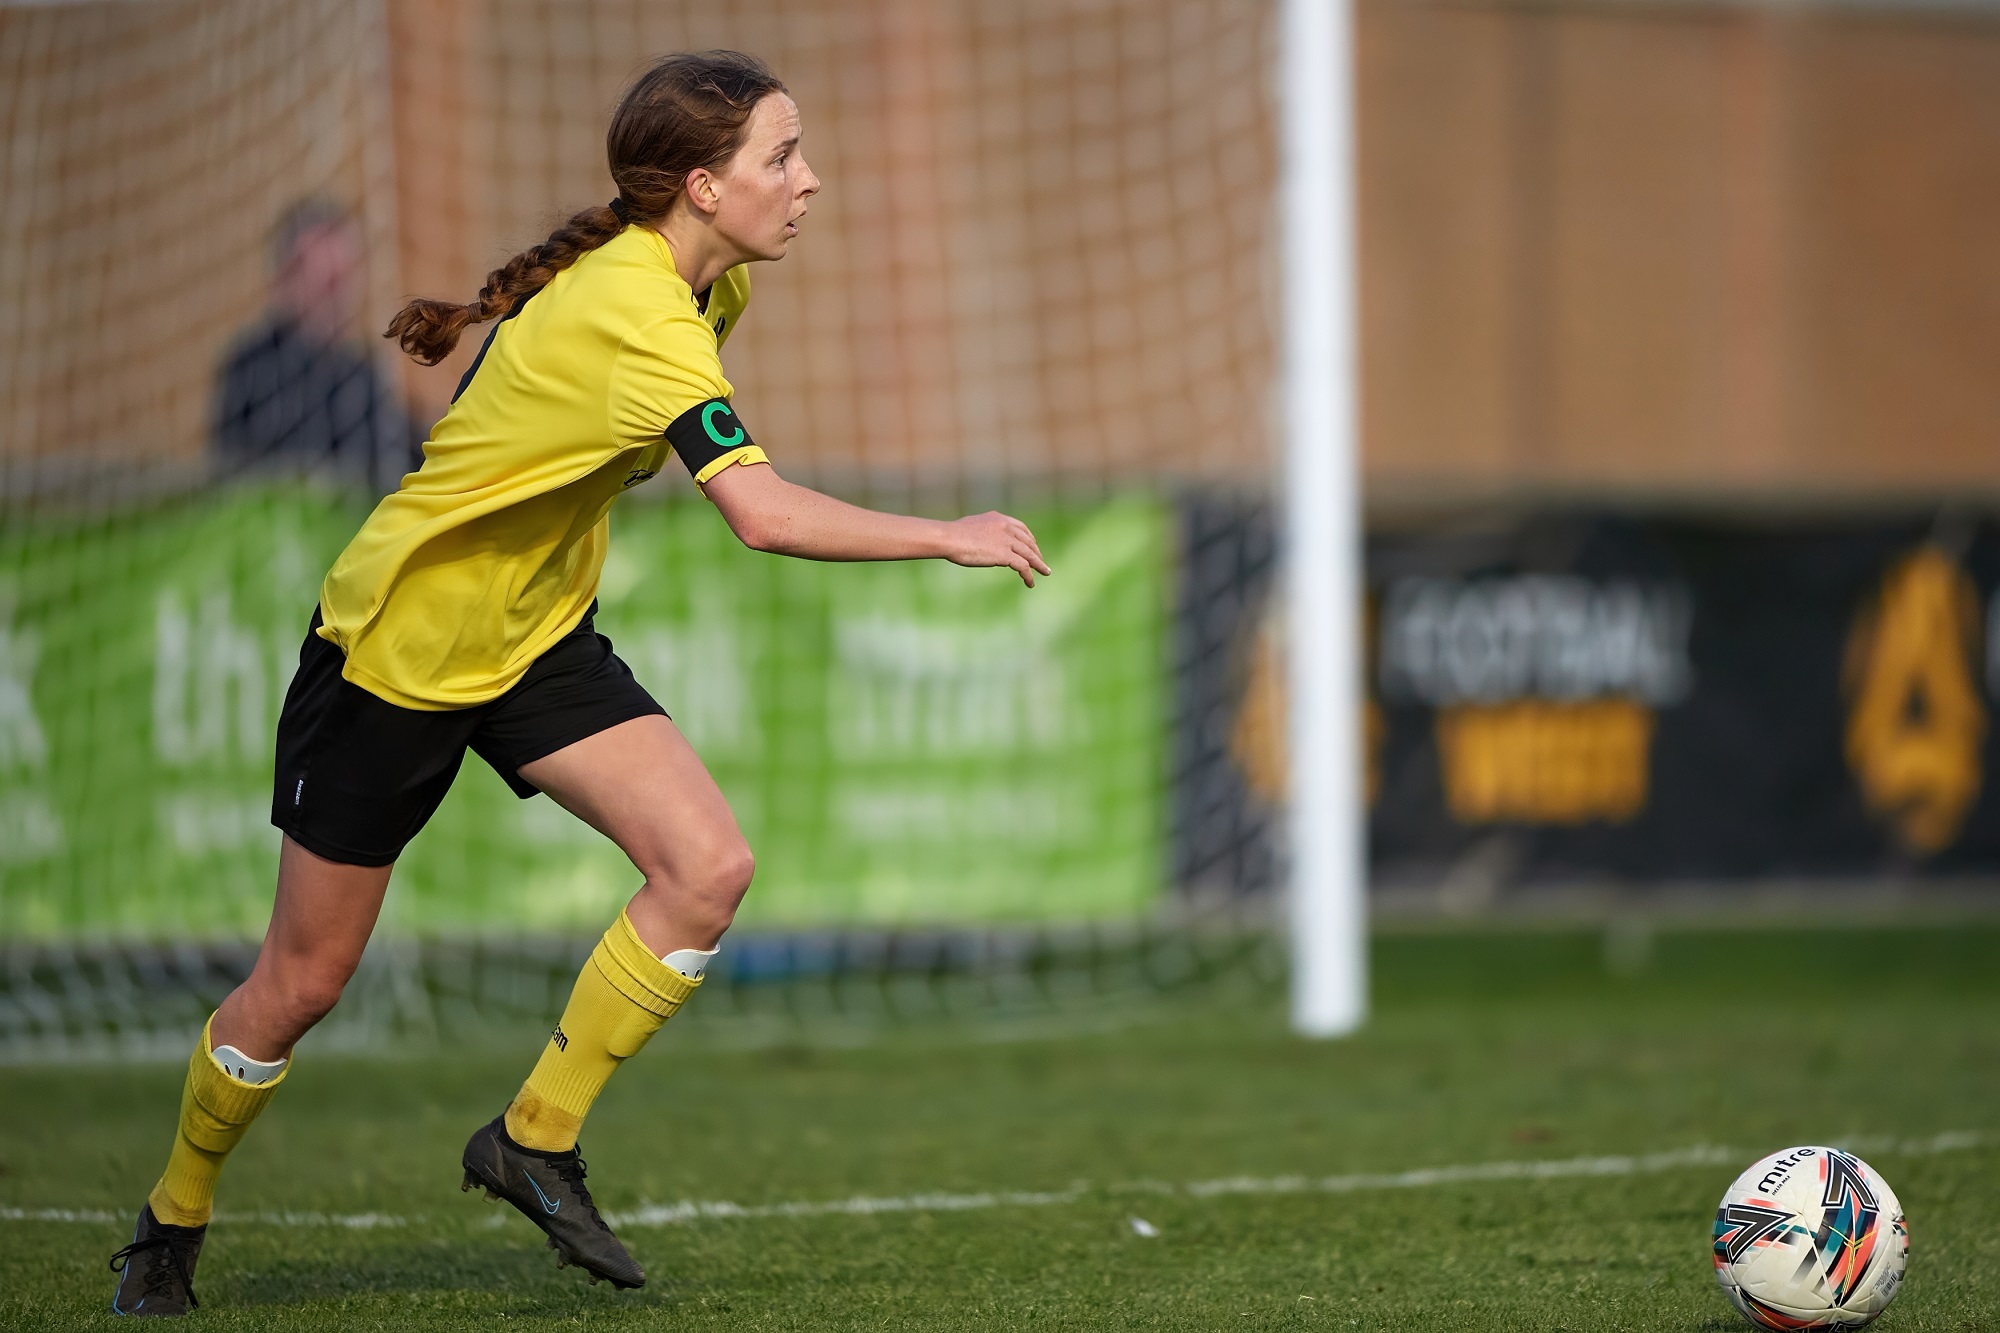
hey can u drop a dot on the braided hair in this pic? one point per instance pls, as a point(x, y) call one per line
point(687, 111)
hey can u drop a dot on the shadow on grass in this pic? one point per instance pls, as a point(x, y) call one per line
point(437, 1275)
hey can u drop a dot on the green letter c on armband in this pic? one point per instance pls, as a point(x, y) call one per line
point(708, 415)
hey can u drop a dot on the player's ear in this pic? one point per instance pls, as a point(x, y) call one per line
point(703, 192)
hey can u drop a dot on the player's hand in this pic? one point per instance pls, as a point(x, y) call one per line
point(980, 541)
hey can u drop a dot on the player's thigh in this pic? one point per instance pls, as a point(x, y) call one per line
point(324, 912)
point(642, 785)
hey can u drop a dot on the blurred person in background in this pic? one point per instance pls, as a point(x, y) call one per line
point(298, 391)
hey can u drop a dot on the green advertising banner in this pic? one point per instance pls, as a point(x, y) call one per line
point(902, 743)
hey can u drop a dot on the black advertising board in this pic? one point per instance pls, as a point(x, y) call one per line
point(1652, 698)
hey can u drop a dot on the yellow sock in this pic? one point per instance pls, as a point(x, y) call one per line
point(215, 1111)
point(621, 998)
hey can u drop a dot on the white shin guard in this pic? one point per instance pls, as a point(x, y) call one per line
point(690, 963)
point(245, 1070)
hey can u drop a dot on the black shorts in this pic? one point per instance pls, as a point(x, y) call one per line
point(357, 776)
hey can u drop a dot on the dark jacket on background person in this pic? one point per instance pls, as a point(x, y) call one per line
point(287, 403)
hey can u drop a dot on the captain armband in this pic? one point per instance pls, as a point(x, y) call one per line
point(710, 437)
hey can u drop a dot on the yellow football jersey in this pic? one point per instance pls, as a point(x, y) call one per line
point(491, 551)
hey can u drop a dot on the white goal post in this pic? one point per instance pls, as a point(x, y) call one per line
point(1321, 508)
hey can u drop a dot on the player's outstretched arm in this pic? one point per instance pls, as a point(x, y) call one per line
point(768, 513)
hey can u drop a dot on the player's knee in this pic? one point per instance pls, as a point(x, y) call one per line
point(709, 886)
point(722, 880)
point(733, 873)
point(700, 885)
point(308, 994)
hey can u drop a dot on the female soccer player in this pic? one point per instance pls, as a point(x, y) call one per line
point(460, 616)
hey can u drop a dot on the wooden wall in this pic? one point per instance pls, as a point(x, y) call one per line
point(1691, 251)
point(1695, 251)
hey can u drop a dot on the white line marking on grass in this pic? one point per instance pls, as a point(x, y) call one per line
point(351, 1221)
point(691, 1210)
point(667, 1214)
point(58, 1215)
point(649, 1215)
point(1455, 1175)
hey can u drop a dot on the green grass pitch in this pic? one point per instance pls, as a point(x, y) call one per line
point(1488, 1047)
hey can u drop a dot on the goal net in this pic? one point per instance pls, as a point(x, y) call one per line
point(1039, 277)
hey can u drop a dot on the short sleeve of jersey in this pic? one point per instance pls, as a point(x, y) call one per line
point(661, 371)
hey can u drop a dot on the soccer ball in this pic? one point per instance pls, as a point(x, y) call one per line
point(1810, 1238)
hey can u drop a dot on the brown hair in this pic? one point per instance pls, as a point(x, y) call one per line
point(686, 111)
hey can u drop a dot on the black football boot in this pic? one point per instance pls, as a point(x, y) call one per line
point(548, 1189)
point(157, 1269)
